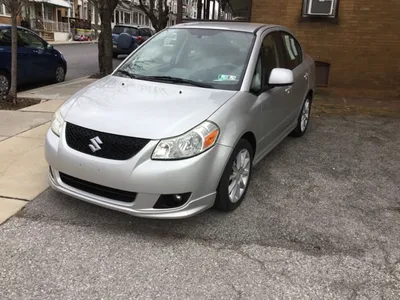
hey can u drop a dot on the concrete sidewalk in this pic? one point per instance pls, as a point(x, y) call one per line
point(23, 169)
point(72, 42)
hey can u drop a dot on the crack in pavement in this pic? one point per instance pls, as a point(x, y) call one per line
point(14, 198)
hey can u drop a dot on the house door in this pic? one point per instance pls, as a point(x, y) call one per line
point(59, 15)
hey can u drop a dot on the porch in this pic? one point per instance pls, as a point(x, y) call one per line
point(46, 19)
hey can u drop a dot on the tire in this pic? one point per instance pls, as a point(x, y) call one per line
point(303, 120)
point(115, 55)
point(59, 76)
point(5, 84)
point(224, 201)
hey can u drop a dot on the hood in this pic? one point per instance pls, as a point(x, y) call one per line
point(143, 109)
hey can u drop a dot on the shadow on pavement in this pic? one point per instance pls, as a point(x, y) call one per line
point(333, 191)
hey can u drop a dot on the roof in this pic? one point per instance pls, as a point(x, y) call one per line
point(234, 26)
point(61, 3)
point(131, 25)
point(9, 26)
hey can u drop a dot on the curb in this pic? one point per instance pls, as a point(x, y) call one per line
point(58, 84)
point(73, 43)
point(41, 92)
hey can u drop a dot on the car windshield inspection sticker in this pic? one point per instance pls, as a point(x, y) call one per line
point(222, 77)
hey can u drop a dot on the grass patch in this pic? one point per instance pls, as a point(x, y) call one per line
point(22, 103)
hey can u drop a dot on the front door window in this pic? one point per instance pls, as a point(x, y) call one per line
point(29, 40)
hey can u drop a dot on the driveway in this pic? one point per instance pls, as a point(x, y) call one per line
point(321, 221)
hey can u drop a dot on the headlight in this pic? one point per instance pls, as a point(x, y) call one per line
point(57, 123)
point(189, 144)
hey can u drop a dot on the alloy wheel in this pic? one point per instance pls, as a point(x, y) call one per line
point(60, 74)
point(4, 85)
point(240, 176)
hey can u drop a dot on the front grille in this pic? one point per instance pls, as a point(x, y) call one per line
point(99, 190)
point(110, 146)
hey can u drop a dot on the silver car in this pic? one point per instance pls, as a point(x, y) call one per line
point(178, 126)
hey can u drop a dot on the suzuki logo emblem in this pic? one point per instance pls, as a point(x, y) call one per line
point(95, 144)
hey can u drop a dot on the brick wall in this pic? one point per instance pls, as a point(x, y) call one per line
point(5, 20)
point(363, 47)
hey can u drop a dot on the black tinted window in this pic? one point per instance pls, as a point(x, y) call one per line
point(291, 51)
point(5, 37)
point(29, 40)
point(270, 57)
point(144, 32)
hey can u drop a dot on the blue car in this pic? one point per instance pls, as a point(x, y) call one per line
point(37, 60)
point(127, 38)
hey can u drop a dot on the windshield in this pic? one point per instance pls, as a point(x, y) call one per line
point(214, 58)
point(122, 29)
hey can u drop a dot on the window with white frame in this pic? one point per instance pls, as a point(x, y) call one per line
point(127, 18)
point(4, 11)
point(320, 8)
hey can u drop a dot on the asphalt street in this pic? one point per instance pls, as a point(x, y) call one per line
point(321, 221)
point(82, 59)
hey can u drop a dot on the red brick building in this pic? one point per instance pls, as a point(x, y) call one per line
point(356, 43)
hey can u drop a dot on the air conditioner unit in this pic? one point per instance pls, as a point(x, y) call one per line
point(321, 7)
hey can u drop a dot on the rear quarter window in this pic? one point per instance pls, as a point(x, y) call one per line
point(142, 32)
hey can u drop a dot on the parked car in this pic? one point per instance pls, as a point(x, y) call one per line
point(176, 130)
point(38, 61)
point(126, 38)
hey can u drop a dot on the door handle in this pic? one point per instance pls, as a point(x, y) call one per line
point(306, 76)
point(288, 90)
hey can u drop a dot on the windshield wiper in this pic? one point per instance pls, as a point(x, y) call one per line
point(179, 80)
point(129, 74)
point(166, 78)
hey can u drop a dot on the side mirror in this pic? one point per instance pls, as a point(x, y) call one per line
point(281, 77)
point(49, 47)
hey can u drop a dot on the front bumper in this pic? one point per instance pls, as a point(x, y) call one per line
point(148, 178)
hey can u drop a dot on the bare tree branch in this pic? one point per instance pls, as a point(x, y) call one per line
point(158, 17)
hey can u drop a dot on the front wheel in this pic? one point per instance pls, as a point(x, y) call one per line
point(236, 178)
point(303, 120)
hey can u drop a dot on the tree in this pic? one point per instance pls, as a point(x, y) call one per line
point(199, 9)
point(159, 17)
point(180, 11)
point(106, 10)
point(15, 7)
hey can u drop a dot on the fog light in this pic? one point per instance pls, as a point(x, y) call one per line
point(172, 201)
point(178, 198)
